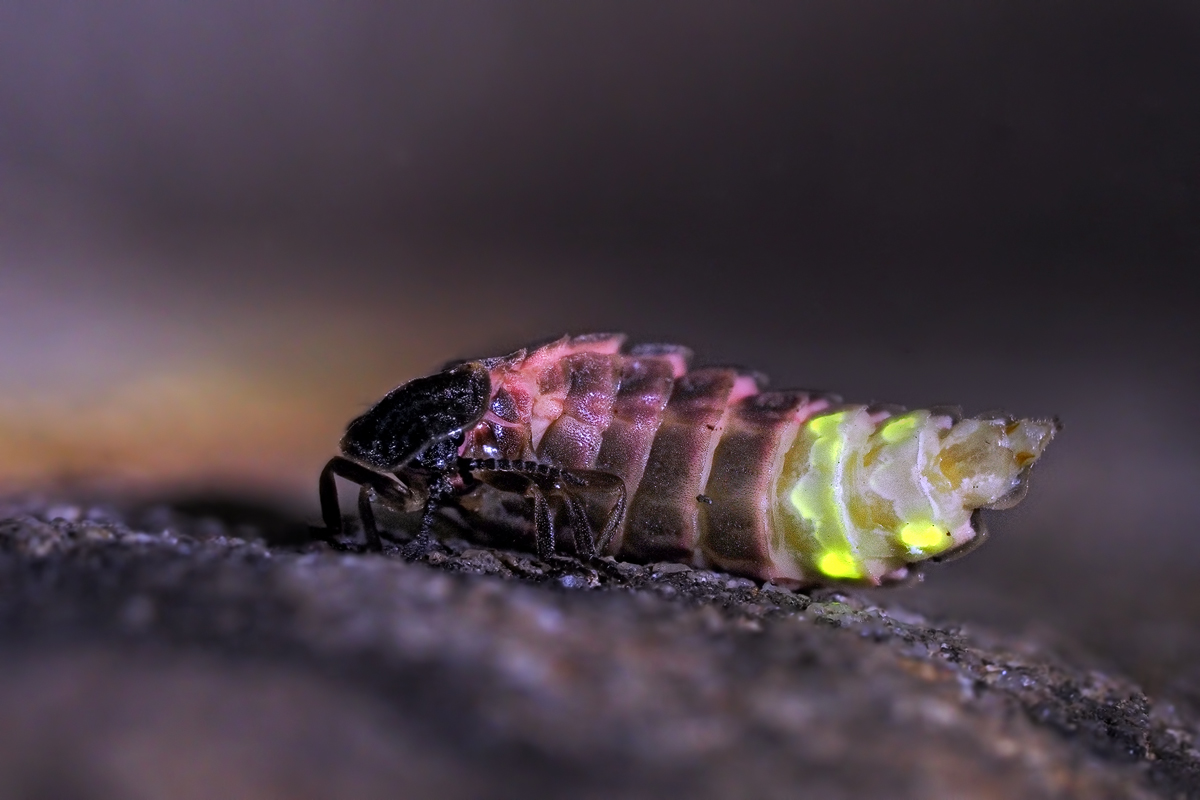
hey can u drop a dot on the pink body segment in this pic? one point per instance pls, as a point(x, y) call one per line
point(698, 451)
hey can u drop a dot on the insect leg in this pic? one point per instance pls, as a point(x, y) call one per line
point(387, 487)
point(367, 516)
point(601, 482)
point(423, 541)
point(615, 516)
point(585, 540)
point(595, 481)
point(440, 489)
point(543, 524)
point(331, 514)
point(534, 481)
point(613, 522)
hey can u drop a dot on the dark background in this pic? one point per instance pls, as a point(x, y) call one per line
point(226, 227)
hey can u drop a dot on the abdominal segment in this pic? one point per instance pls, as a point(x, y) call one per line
point(787, 486)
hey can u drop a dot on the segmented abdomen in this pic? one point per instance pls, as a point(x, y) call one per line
point(781, 485)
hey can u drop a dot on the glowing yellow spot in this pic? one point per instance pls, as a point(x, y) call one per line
point(897, 428)
point(924, 536)
point(827, 424)
point(838, 565)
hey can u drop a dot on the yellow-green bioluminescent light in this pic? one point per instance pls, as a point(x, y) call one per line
point(839, 565)
point(925, 536)
point(897, 428)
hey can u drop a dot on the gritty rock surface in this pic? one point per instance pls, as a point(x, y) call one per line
point(165, 656)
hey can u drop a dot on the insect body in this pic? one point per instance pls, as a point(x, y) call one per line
point(645, 460)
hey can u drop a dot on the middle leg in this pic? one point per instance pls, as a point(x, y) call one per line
point(540, 482)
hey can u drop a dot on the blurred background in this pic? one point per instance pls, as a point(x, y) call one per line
point(226, 228)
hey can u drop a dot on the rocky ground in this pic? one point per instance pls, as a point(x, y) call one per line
point(172, 652)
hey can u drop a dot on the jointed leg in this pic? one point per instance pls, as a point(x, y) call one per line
point(387, 487)
point(613, 522)
point(585, 539)
point(543, 523)
point(605, 483)
point(331, 514)
point(422, 543)
point(367, 515)
point(538, 481)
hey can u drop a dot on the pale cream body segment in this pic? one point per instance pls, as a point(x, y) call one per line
point(863, 494)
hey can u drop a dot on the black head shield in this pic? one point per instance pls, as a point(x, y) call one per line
point(417, 414)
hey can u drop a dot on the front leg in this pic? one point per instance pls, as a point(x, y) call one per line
point(367, 516)
point(386, 487)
